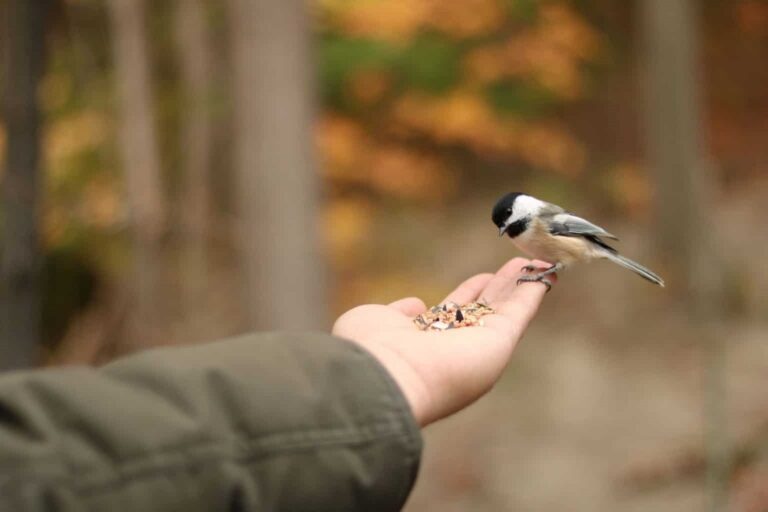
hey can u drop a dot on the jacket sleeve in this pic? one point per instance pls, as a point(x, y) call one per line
point(269, 422)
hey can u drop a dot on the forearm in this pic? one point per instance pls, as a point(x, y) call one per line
point(269, 422)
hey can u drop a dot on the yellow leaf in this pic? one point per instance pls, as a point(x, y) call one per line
point(391, 20)
point(341, 143)
point(402, 172)
point(70, 135)
point(465, 18)
point(346, 223)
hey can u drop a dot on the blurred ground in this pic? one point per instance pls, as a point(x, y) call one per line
point(577, 422)
point(603, 409)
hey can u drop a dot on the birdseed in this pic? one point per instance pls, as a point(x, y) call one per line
point(450, 315)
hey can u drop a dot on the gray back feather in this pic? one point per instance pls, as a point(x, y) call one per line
point(565, 224)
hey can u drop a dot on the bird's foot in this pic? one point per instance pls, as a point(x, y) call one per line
point(531, 268)
point(536, 278)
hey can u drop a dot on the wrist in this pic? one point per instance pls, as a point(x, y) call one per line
point(411, 384)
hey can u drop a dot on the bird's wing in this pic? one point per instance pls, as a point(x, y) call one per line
point(565, 224)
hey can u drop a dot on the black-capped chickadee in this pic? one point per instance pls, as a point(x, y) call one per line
point(547, 232)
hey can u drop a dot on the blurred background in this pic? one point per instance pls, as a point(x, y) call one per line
point(182, 170)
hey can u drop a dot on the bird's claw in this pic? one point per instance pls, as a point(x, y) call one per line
point(528, 268)
point(538, 278)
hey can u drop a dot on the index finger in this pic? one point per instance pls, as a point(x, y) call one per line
point(515, 305)
point(507, 274)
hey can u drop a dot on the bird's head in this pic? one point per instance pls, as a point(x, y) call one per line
point(514, 212)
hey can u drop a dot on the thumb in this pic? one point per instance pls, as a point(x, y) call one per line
point(410, 306)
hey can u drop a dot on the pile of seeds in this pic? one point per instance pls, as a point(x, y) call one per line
point(452, 316)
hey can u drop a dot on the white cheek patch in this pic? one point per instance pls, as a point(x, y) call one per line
point(526, 206)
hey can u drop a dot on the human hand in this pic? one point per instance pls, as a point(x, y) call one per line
point(443, 372)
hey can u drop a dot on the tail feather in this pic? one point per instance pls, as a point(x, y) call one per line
point(635, 267)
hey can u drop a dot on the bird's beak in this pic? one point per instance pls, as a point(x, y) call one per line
point(503, 229)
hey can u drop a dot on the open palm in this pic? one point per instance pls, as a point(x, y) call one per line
point(442, 372)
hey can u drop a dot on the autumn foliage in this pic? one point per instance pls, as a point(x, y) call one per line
point(409, 83)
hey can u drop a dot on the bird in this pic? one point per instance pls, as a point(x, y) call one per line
point(547, 232)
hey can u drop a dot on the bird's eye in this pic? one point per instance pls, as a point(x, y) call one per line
point(509, 210)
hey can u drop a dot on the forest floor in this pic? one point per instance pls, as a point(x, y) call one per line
point(605, 406)
point(591, 421)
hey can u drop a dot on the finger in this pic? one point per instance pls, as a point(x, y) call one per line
point(469, 290)
point(520, 299)
point(507, 274)
point(512, 294)
point(515, 306)
point(410, 306)
point(509, 286)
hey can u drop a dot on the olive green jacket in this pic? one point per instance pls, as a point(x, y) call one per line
point(268, 422)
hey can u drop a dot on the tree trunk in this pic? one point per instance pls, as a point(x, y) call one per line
point(684, 189)
point(194, 46)
point(277, 186)
point(140, 158)
point(679, 164)
point(20, 281)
